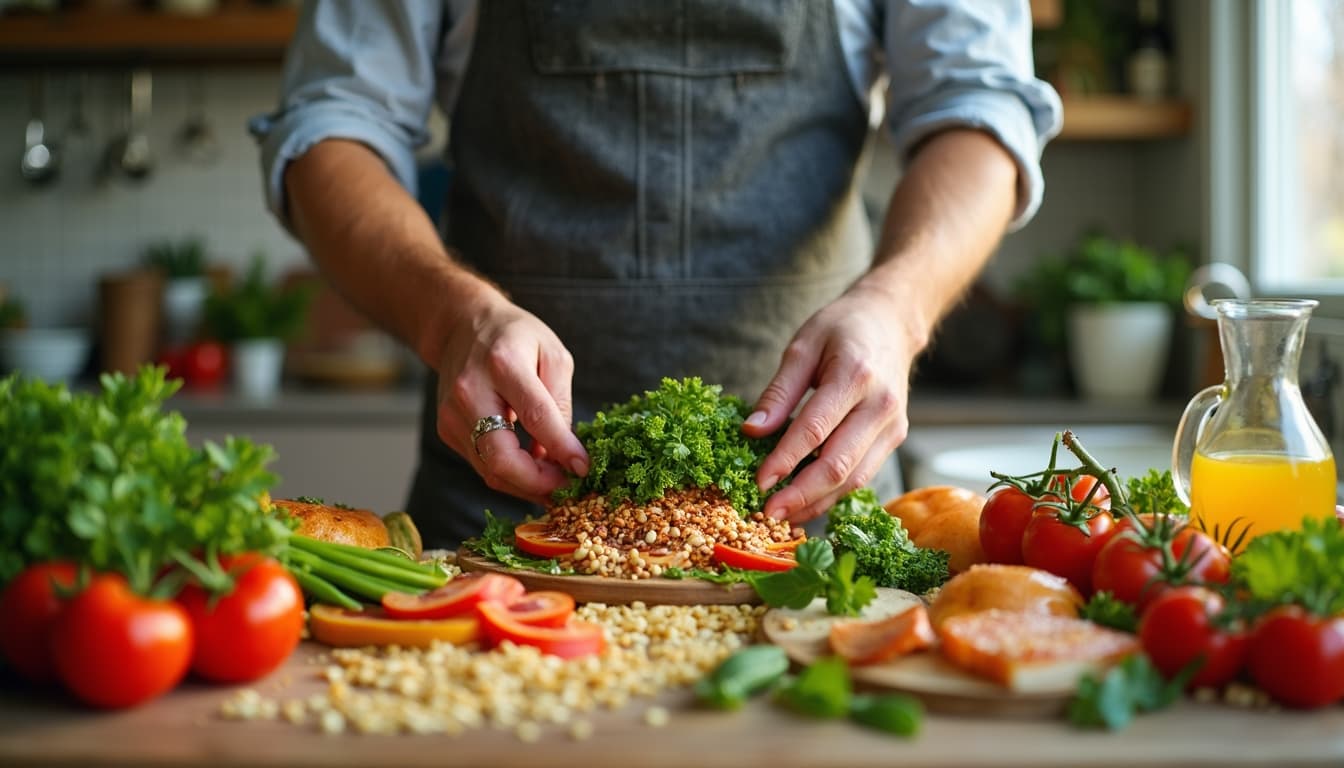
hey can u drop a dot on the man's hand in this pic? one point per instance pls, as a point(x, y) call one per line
point(507, 362)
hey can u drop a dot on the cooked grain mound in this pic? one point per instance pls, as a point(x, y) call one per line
point(639, 541)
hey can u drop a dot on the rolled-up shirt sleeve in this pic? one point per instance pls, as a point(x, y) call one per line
point(969, 63)
point(356, 69)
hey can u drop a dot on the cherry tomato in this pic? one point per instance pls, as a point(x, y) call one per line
point(1082, 487)
point(542, 609)
point(1178, 627)
point(115, 649)
point(350, 629)
point(458, 597)
point(535, 539)
point(1134, 572)
point(753, 561)
point(250, 631)
point(204, 364)
point(574, 639)
point(1298, 658)
point(29, 608)
point(1063, 549)
point(1003, 520)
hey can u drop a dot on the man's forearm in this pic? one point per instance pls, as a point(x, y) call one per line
point(946, 216)
point(375, 244)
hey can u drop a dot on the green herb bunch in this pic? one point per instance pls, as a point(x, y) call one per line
point(686, 434)
point(254, 309)
point(858, 524)
point(108, 480)
point(177, 259)
point(1303, 568)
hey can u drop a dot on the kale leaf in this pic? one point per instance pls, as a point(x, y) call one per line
point(883, 550)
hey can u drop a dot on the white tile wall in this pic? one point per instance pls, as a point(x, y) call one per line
point(56, 240)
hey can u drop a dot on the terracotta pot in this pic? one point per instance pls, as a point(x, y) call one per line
point(130, 308)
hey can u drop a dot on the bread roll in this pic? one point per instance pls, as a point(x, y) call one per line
point(1008, 588)
point(943, 517)
point(357, 527)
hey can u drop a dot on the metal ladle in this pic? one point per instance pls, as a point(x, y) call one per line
point(130, 154)
point(39, 163)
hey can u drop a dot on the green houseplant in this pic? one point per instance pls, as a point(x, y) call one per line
point(255, 318)
point(182, 264)
point(1110, 304)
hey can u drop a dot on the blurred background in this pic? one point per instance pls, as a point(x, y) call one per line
point(1195, 132)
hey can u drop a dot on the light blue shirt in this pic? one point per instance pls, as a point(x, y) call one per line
point(371, 72)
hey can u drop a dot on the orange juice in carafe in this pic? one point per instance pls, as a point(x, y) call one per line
point(1259, 492)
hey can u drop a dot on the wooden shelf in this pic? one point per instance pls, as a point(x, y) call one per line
point(1119, 118)
point(236, 33)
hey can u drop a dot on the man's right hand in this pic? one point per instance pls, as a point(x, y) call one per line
point(502, 360)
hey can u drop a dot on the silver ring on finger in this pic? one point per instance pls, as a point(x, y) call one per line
point(485, 425)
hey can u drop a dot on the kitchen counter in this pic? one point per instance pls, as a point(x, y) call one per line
point(184, 728)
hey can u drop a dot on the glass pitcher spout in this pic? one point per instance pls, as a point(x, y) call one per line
point(1248, 456)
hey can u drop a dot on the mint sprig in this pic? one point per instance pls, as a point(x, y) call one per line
point(819, 573)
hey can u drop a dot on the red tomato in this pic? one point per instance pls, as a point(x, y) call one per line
point(1082, 486)
point(1003, 520)
point(204, 364)
point(1178, 628)
point(1298, 658)
point(574, 639)
point(114, 648)
point(458, 597)
point(29, 608)
point(542, 609)
point(1063, 549)
point(250, 631)
point(1135, 570)
point(753, 561)
point(534, 539)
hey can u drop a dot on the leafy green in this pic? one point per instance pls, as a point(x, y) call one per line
point(685, 434)
point(256, 310)
point(1155, 493)
point(726, 575)
point(1303, 567)
point(1105, 610)
point(823, 689)
point(1133, 686)
point(496, 543)
point(177, 260)
point(819, 573)
point(859, 525)
point(108, 479)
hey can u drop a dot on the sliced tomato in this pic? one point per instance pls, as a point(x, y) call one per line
point(542, 609)
point(785, 546)
point(351, 629)
point(753, 561)
point(536, 539)
point(458, 597)
point(574, 639)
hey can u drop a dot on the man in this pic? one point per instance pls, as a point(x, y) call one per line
point(645, 189)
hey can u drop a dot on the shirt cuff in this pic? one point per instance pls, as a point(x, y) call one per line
point(285, 136)
point(1003, 115)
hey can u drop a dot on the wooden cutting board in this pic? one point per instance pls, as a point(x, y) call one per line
point(804, 635)
point(602, 589)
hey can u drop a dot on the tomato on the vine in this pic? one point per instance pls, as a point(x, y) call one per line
point(29, 608)
point(1003, 520)
point(1298, 658)
point(250, 631)
point(1134, 568)
point(1064, 549)
point(1081, 490)
point(114, 648)
point(1181, 625)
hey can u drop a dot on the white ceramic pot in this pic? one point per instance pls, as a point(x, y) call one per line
point(257, 365)
point(183, 304)
point(52, 354)
point(1119, 351)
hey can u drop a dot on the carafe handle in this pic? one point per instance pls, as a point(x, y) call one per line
point(1187, 436)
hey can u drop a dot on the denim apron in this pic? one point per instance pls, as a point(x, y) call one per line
point(669, 186)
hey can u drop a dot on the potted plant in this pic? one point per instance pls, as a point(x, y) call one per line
point(255, 318)
point(1110, 303)
point(182, 265)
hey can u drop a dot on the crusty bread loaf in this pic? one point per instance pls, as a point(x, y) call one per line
point(358, 527)
point(1007, 588)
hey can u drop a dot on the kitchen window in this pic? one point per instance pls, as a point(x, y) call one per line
point(1297, 132)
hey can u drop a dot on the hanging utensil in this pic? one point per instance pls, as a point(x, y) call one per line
point(196, 138)
point(39, 163)
point(129, 155)
point(77, 141)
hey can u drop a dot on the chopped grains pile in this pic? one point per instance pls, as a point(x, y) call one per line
point(451, 689)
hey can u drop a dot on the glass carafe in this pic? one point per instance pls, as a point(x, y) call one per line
point(1248, 455)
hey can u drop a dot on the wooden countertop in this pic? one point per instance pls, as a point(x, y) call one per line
point(184, 728)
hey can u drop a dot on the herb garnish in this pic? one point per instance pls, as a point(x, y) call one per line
point(496, 543)
point(685, 434)
point(859, 525)
point(1133, 686)
point(1295, 567)
point(1105, 610)
point(1155, 493)
point(819, 573)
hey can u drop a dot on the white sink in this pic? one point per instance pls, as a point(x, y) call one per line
point(964, 456)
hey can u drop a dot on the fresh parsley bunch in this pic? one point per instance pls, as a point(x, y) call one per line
point(685, 434)
point(108, 480)
point(858, 524)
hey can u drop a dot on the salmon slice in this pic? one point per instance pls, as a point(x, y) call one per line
point(873, 642)
point(1032, 653)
